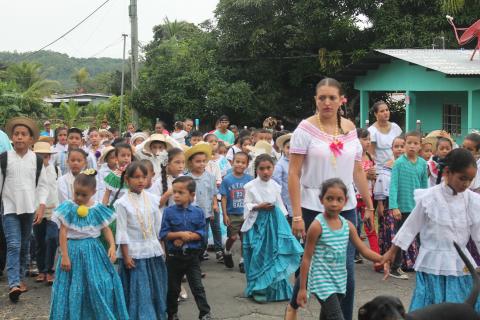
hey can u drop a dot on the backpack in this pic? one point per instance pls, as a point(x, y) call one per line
point(3, 168)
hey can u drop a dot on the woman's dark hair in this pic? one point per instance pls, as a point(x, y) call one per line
point(78, 150)
point(262, 158)
point(459, 160)
point(442, 139)
point(172, 153)
point(362, 133)
point(191, 185)
point(376, 106)
point(333, 183)
point(133, 166)
point(475, 138)
point(119, 140)
point(87, 180)
point(330, 82)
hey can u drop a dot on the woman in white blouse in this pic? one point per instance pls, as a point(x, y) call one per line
point(325, 146)
point(382, 134)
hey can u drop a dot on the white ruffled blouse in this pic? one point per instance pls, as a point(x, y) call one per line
point(139, 220)
point(442, 217)
point(256, 192)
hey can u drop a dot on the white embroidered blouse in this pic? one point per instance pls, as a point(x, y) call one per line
point(441, 218)
point(139, 220)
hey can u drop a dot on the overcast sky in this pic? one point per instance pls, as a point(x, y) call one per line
point(27, 25)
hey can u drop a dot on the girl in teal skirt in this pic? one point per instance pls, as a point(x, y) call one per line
point(87, 285)
point(271, 252)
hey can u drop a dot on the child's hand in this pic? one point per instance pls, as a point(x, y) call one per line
point(265, 206)
point(371, 173)
point(215, 208)
point(226, 220)
point(386, 260)
point(66, 264)
point(302, 298)
point(112, 255)
point(128, 262)
point(397, 214)
point(178, 243)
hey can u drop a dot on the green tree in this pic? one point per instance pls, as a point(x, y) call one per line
point(71, 113)
point(29, 77)
point(81, 76)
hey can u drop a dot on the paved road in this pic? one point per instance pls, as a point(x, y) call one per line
point(224, 289)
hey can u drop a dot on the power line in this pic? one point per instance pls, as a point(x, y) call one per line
point(116, 42)
point(70, 30)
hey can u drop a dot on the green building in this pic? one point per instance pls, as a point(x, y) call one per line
point(441, 87)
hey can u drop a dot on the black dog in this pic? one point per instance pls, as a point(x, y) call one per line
point(391, 308)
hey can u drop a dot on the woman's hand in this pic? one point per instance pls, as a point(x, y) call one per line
point(128, 262)
point(397, 214)
point(371, 173)
point(302, 298)
point(298, 228)
point(264, 206)
point(66, 264)
point(112, 255)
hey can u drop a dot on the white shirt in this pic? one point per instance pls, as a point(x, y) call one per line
point(52, 198)
point(19, 192)
point(65, 187)
point(258, 191)
point(139, 220)
point(441, 218)
point(214, 169)
point(476, 182)
point(231, 152)
point(60, 147)
point(103, 171)
point(179, 136)
point(383, 142)
point(320, 164)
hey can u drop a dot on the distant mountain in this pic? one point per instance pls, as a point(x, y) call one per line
point(60, 67)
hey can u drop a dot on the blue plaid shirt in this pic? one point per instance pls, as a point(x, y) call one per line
point(179, 219)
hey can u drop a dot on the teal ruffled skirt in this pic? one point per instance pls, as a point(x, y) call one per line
point(271, 255)
point(91, 289)
point(433, 289)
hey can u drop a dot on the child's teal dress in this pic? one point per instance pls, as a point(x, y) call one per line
point(92, 288)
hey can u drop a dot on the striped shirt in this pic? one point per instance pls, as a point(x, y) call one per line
point(406, 178)
point(328, 270)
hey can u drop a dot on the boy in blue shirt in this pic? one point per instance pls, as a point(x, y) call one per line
point(233, 194)
point(183, 231)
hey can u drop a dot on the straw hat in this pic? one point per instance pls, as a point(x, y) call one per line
point(201, 147)
point(105, 153)
point(439, 134)
point(137, 135)
point(47, 139)
point(24, 121)
point(42, 147)
point(157, 137)
point(282, 139)
point(262, 147)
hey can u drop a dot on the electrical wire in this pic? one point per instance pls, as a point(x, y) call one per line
point(116, 42)
point(66, 33)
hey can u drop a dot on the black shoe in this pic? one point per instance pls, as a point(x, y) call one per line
point(205, 256)
point(228, 260)
point(219, 256)
point(241, 266)
point(173, 317)
point(206, 317)
point(358, 259)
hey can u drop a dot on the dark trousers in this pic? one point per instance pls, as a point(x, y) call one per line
point(397, 263)
point(347, 302)
point(3, 246)
point(46, 236)
point(177, 267)
point(331, 309)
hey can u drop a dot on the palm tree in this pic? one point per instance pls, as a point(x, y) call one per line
point(29, 78)
point(81, 76)
point(71, 112)
point(454, 6)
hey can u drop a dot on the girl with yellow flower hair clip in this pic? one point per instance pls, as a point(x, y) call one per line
point(86, 282)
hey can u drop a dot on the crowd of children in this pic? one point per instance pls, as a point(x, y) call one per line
point(127, 218)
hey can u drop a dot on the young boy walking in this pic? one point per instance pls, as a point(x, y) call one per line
point(233, 194)
point(74, 141)
point(409, 173)
point(21, 178)
point(183, 231)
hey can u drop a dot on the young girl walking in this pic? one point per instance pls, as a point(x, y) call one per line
point(443, 214)
point(141, 258)
point(271, 253)
point(115, 186)
point(76, 162)
point(87, 285)
point(324, 265)
point(435, 165)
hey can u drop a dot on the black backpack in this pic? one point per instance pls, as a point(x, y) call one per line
point(3, 169)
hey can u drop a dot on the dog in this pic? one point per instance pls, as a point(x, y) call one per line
point(391, 308)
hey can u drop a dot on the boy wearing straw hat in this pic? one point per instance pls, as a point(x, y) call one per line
point(20, 184)
point(46, 232)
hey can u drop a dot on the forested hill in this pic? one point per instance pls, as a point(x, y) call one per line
point(61, 67)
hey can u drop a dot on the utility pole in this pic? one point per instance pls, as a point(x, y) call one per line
point(122, 88)
point(132, 10)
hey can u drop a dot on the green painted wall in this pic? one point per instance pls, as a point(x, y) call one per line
point(401, 76)
point(430, 108)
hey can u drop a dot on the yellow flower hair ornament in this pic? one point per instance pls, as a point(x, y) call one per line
point(82, 211)
point(89, 172)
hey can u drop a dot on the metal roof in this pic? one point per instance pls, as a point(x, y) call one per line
point(453, 62)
